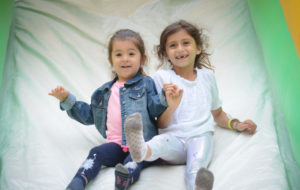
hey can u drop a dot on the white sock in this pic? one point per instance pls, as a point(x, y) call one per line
point(134, 137)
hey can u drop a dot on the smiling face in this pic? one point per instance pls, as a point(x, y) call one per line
point(126, 59)
point(181, 50)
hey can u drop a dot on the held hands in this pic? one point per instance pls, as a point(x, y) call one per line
point(60, 93)
point(247, 126)
point(173, 94)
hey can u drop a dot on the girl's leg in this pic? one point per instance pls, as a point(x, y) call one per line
point(168, 148)
point(163, 146)
point(199, 154)
point(128, 173)
point(108, 154)
point(133, 128)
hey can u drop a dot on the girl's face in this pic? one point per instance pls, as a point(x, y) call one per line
point(181, 50)
point(126, 59)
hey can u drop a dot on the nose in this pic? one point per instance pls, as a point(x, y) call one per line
point(124, 58)
point(180, 47)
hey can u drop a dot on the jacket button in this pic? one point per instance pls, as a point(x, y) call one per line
point(124, 102)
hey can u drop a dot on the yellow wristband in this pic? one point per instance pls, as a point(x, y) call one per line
point(229, 124)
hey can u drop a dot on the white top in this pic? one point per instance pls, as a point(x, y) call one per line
point(193, 115)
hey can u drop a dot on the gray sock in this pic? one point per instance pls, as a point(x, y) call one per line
point(134, 137)
point(204, 179)
point(76, 184)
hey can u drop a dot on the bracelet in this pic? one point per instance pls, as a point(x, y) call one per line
point(234, 127)
point(229, 124)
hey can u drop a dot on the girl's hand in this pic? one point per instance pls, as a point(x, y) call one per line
point(173, 95)
point(247, 126)
point(60, 93)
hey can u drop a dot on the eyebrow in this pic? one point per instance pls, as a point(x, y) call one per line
point(131, 49)
point(118, 50)
point(181, 40)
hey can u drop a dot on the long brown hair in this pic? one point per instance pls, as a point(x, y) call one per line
point(201, 60)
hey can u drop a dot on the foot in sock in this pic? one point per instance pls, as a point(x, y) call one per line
point(134, 137)
point(121, 177)
point(204, 179)
point(76, 184)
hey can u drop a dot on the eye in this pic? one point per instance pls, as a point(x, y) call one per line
point(118, 54)
point(131, 54)
point(186, 42)
point(172, 45)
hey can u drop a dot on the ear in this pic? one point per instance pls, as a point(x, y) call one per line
point(166, 56)
point(143, 60)
point(199, 49)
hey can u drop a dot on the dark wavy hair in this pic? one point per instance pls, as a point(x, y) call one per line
point(201, 60)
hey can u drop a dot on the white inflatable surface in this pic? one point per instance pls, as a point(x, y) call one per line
point(64, 43)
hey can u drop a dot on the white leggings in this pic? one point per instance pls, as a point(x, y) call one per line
point(196, 152)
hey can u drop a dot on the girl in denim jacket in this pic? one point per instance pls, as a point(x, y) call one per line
point(129, 92)
point(187, 125)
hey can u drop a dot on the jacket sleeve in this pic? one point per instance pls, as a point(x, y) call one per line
point(78, 110)
point(156, 103)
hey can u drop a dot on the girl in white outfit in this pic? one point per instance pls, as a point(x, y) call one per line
point(187, 125)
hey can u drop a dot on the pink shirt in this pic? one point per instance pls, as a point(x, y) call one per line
point(114, 120)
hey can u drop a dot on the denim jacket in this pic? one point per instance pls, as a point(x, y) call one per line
point(138, 95)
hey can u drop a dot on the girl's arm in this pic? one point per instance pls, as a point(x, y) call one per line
point(165, 118)
point(60, 93)
point(222, 119)
point(173, 96)
point(156, 103)
point(80, 111)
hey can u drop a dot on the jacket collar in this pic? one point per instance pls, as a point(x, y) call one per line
point(134, 80)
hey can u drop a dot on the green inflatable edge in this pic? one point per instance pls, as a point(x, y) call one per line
point(283, 68)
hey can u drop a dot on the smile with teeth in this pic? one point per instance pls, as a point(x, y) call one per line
point(181, 56)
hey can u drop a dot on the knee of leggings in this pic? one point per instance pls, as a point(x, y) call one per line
point(164, 139)
point(161, 142)
point(95, 152)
